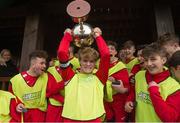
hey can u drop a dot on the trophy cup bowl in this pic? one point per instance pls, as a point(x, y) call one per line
point(82, 32)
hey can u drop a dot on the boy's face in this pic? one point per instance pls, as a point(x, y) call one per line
point(176, 72)
point(87, 65)
point(155, 63)
point(129, 52)
point(139, 56)
point(112, 50)
point(38, 65)
point(170, 48)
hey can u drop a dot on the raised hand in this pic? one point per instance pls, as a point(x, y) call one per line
point(97, 32)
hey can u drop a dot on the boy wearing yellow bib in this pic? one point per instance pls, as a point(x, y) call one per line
point(170, 42)
point(115, 94)
point(73, 60)
point(8, 107)
point(84, 89)
point(138, 67)
point(174, 64)
point(130, 59)
point(157, 93)
point(32, 87)
point(55, 103)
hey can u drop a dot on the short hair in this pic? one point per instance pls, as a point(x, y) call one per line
point(38, 54)
point(128, 44)
point(140, 47)
point(174, 61)
point(112, 43)
point(168, 38)
point(153, 49)
point(89, 53)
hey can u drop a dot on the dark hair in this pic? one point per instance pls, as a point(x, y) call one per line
point(140, 47)
point(38, 54)
point(112, 43)
point(174, 61)
point(128, 44)
point(153, 49)
point(168, 38)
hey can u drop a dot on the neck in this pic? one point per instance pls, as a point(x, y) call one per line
point(178, 48)
point(71, 56)
point(113, 59)
point(30, 72)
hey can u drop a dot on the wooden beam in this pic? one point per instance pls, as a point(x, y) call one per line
point(32, 39)
point(164, 20)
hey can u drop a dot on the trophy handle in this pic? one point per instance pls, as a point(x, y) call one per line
point(82, 31)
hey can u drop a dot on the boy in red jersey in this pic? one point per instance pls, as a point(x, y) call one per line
point(32, 87)
point(130, 59)
point(157, 93)
point(84, 89)
point(116, 94)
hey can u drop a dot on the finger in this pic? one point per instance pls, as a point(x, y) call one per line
point(19, 109)
point(22, 106)
point(131, 105)
point(128, 109)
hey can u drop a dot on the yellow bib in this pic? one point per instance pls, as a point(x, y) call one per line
point(144, 109)
point(32, 97)
point(58, 78)
point(83, 98)
point(109, 92)
point(5, 99)
point(131, 64)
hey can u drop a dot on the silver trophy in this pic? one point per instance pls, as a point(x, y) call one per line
point(82, 32)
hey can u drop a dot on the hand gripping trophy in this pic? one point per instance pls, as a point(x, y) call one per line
point(82, 32)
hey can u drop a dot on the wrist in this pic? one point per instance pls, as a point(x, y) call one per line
point(96, 35)
point(152, 84)
point(124, 90)
point(153, 89)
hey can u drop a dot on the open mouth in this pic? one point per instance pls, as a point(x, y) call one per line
point(42, 70)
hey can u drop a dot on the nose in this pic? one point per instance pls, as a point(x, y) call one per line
point(44, 65)
point(148, 62)
point(88, 63)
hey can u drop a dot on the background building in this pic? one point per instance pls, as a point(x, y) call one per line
point(26, 25)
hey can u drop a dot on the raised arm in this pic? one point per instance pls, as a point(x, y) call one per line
point(64, 45)
point(63, 55)
point(102, 72)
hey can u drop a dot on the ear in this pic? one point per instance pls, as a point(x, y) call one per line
point(116, 52)
point(164, 59)
point(178, 67)
point(176, 45)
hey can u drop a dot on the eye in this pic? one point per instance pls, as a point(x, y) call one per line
point(91, 61)
point(85, 60)
point(152, 59)
point(145, 60)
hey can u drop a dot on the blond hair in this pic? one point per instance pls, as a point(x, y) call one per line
point(88, 53)
point(3, 51)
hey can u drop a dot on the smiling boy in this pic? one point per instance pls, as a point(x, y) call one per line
point(157, 93)
point(32, 87)
point(84, 89)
